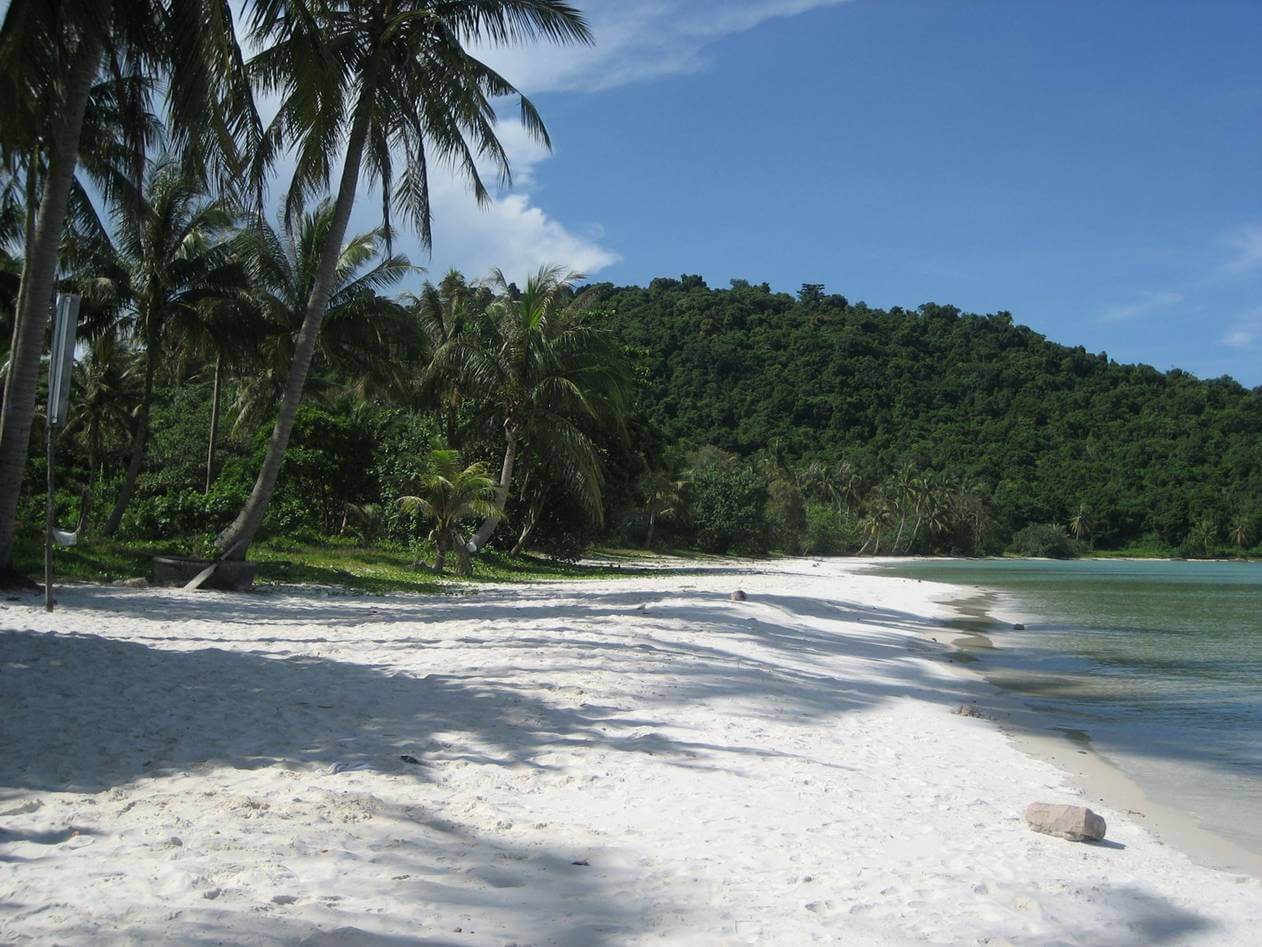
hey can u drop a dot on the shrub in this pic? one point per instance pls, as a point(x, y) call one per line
point(726, 504)
point(830, 531)
point(1044, 541)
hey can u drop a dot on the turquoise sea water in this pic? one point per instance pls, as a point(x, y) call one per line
point(1159, 663)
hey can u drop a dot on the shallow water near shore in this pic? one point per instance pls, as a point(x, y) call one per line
point(1157, 663)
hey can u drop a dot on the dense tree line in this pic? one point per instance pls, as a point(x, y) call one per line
point(1039, 433)
point(642, 416)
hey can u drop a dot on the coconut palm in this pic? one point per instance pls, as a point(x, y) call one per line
point(448, 315)
point(547, 371)
point(902, 491)
point(362, 328)
point(878, 518)
point(1203, 535)
point(107, 390)
point(170, 256)
point(1080, 524)
point(451, 494)
point(1239, 533)
point(50, 56)
point(383, 82)
point(663, 498)
point(221, 336)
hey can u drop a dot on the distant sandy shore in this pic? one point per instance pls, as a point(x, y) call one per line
point(632, 761)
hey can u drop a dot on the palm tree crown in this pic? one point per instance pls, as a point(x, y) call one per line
point(450, 494)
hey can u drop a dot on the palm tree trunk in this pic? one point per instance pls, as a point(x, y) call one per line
point(139, 437)
point(214, 423)
point(532, 517)
point(648, 539)
point(234, 542)
point(501, 492)
point(451, 425)
point(36, 292)
point(915, 532)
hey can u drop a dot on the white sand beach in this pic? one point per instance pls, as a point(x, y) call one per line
point(637, 761)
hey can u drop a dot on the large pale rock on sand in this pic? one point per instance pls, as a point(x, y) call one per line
point(1076, 823)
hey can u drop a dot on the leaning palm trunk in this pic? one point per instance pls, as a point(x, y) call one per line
point(36, 292)
point(501, 492)
point(139, 438)
point(234, 542)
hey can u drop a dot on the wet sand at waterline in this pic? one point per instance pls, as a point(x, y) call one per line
point(1150, 667)
point(614, 762)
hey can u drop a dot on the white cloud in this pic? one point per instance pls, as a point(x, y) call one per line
point(1240, 338)
point(1245, 332)
point(511, 232)
point(1147, 303)
point(1246, 250)
point(637, 40)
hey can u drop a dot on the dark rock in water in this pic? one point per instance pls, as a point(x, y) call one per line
point(1018, 627)
point(1076, 823)
point(739, 596)
point(410, 759)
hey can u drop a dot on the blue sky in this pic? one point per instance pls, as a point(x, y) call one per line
point(1095, 168)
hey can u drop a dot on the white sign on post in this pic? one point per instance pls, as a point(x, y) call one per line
point(61, 357)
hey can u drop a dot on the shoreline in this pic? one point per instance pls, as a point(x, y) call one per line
point(1043, 735)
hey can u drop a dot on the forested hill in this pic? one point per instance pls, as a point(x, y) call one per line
point(1042, 427)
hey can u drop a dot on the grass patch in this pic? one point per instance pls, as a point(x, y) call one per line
point(332, 562)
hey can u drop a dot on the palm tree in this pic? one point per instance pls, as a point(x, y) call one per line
point(546, 372)
point(903, 489)
point(847, 485)
point(1080, 523)
point(451, 494)
point(362, 329)
point(50, 56)
point(663, 498)
point(388, 79)
point(170, 257)
point(221, 335)
point(448, 315)
point(879, 518)
point(1239, 532)
point(1203, 536)
point(107, 391)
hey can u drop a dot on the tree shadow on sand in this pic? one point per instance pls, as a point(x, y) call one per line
point(86, 713)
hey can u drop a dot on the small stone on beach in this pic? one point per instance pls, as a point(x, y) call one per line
point(1018, 627)
point(739, 596)
point(1075, 823)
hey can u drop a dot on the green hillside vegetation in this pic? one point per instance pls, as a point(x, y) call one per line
point(755, 422)
point(1116, 455)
